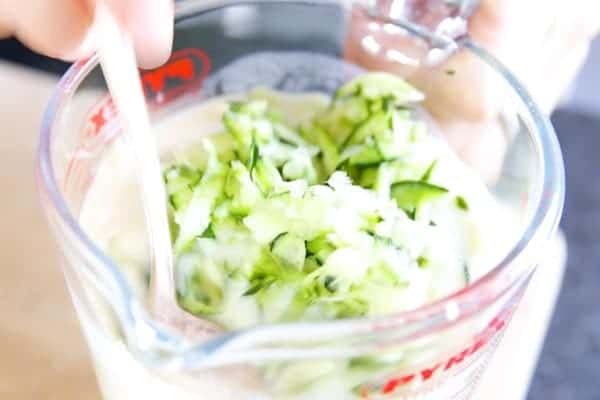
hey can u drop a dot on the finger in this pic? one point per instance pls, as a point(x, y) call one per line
point(563, 77)
point(564, 59)
point(544, 51)
point(481, 145)
point(56, 28)
point(590, 21)
point(464, 103)
point(467, 94)
point(575, 38)
point(150, 23)
point(5, 25)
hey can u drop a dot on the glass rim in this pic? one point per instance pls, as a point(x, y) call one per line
point(428, 318)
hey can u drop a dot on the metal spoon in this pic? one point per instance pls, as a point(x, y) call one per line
point(118, 62)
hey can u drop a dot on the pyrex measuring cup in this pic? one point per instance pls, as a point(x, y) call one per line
point(435, 352)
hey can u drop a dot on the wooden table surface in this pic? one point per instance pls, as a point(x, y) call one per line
point(42, 353)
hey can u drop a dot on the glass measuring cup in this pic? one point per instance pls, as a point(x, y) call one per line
point(439, 349)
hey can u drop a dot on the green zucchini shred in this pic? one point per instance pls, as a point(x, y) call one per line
point(410, 195)
point(259, 201)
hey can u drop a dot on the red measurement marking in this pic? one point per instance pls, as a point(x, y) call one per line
point(391, 385)
point(458, 358)
point(428, 372)
point(182, 69)
point(69, 173)
point(185, 71)
point(103, 113)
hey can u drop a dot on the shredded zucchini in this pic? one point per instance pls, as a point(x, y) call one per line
point(330, 219)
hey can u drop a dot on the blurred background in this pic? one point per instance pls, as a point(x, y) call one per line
point(569, 365)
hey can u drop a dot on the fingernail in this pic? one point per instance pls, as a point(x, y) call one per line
point(152, 30)
point(86, 47)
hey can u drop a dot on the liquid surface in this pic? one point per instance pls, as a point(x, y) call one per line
point(114, 219)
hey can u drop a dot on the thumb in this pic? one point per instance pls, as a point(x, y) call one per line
point(150, 23)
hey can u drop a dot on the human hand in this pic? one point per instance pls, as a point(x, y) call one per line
point(64, 28)
point(543, 42)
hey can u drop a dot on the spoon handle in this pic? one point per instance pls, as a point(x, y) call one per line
point(118, 62)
